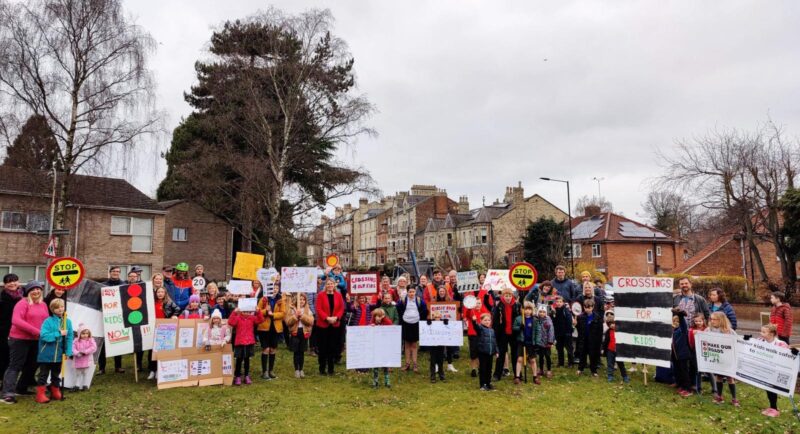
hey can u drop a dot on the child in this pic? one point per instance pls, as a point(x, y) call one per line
point(610, 350)
point(55, 341)
point(781, 315)
point(193, 310)
point(273, 309)
point(719, 323)
point(244, 323)
point(472, 333)
point(437, 352)
point(82, 350)
point(389, 308)
point(681, 353)
point(216, 334)
point(204, 305)
point(379, 318)
point(527, 336)
point(503, 316)
point(769, 334)
point(590, 337)
point(547, 336)
point(487, 347)
point(698, 325)
point(562, 325)
point(300, 322)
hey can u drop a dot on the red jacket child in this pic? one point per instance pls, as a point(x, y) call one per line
point(324, 310)
point(467, 314)
point(244, 323)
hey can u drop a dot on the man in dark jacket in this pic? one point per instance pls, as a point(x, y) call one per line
point(9, 297)
point(566, 288)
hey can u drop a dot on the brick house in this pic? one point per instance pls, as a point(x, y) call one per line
point(619, 246)
point(109, 221)
point(196, 236)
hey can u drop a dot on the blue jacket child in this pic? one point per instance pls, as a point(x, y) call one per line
point(53, 346)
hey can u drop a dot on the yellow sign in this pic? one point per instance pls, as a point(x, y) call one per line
point(332, 260)
point(246, 265)
point(65, 272)
point(522, 275)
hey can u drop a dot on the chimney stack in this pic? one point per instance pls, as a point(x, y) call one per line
point(463, 205)
point(592, 210)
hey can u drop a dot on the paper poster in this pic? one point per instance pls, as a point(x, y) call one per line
point(298, 279)
point(436, 334)
point(186, 337)
point(240, 287)
point(467, 281)
point(643, 314)
point(246, 265)
point(227, 364)
point(363, 283)
point(128, 318)
point(165, 335)
point(373, 347)
point(448, 309)
point(716, 353)
point(267, 277)
point(200, 367)
point(172, 370)
point(248, 304)
point(497, 280)
point(200, 331)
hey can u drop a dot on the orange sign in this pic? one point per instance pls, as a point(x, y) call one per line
point(332, 260)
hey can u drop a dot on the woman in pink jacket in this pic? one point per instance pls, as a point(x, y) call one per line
point(26, 321)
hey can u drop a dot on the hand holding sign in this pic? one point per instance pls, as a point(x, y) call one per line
point(198, 283)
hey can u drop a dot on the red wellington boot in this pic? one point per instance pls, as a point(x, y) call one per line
point(41, 395)
point(55, 393)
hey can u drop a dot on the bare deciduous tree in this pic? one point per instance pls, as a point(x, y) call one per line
point(82, 66)
point(587, 201)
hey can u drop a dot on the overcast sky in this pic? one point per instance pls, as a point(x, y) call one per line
point(474, 96)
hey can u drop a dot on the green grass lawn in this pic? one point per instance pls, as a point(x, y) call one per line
point(347, 403)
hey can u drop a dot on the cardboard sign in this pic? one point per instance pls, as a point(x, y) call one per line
point(298, 279)
point(206, 369)
point(468, 281)
point(248, 304)
point(267, 277)
point(129, 318)
point(448, 309)
point(186, 331)
point(438, 334)
point(165, 336)
point(246, 265)
point(373, 347)
point(173, 373)
point(496, 280)
point(643, 314)
point(227, 365)
point(364, 283)
point(240, 287)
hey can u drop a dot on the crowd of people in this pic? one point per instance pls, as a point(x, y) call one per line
point(507, 331)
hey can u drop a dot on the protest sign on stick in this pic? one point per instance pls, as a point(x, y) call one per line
point(363, 283)
point(240, 287)
point(496, 280)
point(298, 279)
point(128, 318)
point(246, 265)
point(467, 281)
point(373, 347)
point(643, 314)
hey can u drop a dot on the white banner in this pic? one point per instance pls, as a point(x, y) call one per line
point(373, 347)
point(298, 279)
point(438, 334)
point(716, 353)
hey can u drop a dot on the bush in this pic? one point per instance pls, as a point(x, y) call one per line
point(734, 286)
point(591, 267)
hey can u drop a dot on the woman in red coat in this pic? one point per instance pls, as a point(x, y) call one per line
point(330, 309)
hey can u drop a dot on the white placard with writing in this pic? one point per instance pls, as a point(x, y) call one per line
point(248, 304)
point(298, 279)
point(438, 334)
point(240, 287)
point(467, 281)
point(363, 283)
point(373, 347)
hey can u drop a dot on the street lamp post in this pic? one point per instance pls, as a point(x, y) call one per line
point(569, 213)
point(598, 186)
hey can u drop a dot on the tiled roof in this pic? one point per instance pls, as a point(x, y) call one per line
point(84, 190)
point(721, 241)
point(170, 203)
point(610, 227)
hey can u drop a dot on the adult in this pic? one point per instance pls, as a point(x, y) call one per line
point(426, 289)
point(200, 271)
point(179, 285)
point(213, 292)
point(9, 297)
point(690, 302)
point(590, 293)
point(23, 339)
point(599, 291)
point(384, 287)
point(165, 308)
point(113, 280)
point(134, 276)
point(54, 294)
point(338, 276)
point(503, 316)
point(781, 315)
point(452, 285)
point(718, 302)
point(411, 309)
point(566, 288)
point(330, 310)
point(402, 287)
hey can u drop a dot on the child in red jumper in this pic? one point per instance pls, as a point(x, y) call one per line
point(610, 349)
point(244, 323)
point(379, 319)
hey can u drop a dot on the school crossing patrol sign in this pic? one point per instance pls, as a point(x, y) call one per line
point(65, 272)
point(523, 276)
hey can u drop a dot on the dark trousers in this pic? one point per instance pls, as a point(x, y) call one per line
point(544, 357)
point(592, 354)
point(773, 400)
point(564, 343)
point(682, 373)
point(101, 361)
point(239, 362)
point(328, 347)
point(139, 357)
point(51, 370)
point(299, 353)
point(437, 360)
point(611, 358)
point(151, 365)
point(3, 351)
point(784, 338)
point(485, 369)
point(21, 360)
point(503, 342)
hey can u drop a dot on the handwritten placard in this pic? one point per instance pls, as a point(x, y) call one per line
point(373, 347)
point(366, 283)
point(186, 337)
point(248, 304)
point(267, 277)
point(170, 371)
point(246, 265)
point(298, 279)
point(467, 281)
point(166, 335)
point(240, 287)
point(438, 334)
point(448, 309)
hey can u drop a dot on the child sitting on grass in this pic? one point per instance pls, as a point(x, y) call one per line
point(610, 350)
point(487, 348)
point(55, 341)
point(528, 334)
point(379, 318)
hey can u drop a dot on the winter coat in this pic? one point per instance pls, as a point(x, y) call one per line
point(487, 341)
point(421, 307)
point(324, 310)
point(179, 294)
point(567, 289)
point(390, 310)
point(306, 318)
point(27, 320)
point(700, 304)
point(680, 340)
point(52, 296)
point(562, 321)
point(170, 309)
point(781, 316)
point(727, 309)
point(546, 331)
point(354, 314)
point(499, 319)
point(278, 313)
point(599, 306)
point(519, 330)
point(7, 302)
point(244, 325)
point(216, 336)
point(467, 315)
point(594, 339)
point(82, 351)
point(53, 346)
point(341, 282)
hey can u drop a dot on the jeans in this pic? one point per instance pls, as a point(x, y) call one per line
point(21, 359)
point(611, 358)
point(564, 343)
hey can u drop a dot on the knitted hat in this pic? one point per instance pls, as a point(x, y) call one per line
point(194, 298)
point(33, 284)
point(542, 308)
point(216, 314)
point(586, 274)
point(81, 328)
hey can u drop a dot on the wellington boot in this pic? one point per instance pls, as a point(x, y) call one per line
point(41, 395)
point(55, 393)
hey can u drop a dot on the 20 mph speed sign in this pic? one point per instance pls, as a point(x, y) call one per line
point(523, 276)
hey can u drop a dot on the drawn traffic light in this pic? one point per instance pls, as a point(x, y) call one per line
point(134, 305)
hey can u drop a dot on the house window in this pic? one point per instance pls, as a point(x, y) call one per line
point(658, 250)
point(13, 221)
point(178, 234)
point(649, 256)
point(25, 272)
point(576, 251)
point(22, 221)
point(449, 240)
point(595, 250)
point(141, 230)
point(483, 235)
